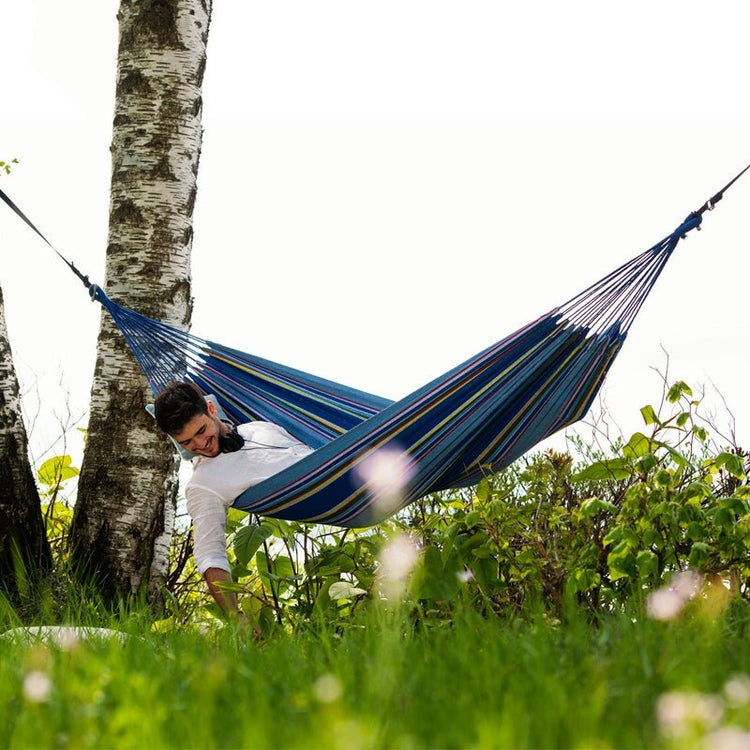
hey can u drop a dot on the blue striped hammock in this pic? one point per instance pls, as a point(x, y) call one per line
point(475, 419)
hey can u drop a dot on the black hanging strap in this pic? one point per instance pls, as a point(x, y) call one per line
point(711, 202)
point(707, 206)
point(84, 279)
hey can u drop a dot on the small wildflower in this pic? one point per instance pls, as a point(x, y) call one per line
point(37, 686)
point(327, 688)
point(727, 738)
point(667, 602)
point(679, 713)
point(67, 639)
point(396, 561)
point(737, 690)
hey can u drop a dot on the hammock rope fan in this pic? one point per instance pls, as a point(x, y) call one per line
point(476, 418)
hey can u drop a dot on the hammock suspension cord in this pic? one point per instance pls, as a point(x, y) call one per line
point(709, 205)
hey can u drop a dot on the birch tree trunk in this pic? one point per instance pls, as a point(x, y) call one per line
point(24, 549)
point(125, 506)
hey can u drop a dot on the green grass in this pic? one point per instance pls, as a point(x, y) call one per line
point(482, 683)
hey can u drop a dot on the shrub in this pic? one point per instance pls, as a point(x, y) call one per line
point(597, 532)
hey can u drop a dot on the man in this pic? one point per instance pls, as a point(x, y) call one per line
point(228, 460)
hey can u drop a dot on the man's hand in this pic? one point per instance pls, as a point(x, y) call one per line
point(227, 600)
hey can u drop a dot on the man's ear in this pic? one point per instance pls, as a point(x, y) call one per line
point(211, 408)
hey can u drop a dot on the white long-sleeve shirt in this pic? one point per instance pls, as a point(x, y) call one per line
point(217, 481)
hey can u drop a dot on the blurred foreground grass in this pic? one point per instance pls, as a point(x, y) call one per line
point(479, 683)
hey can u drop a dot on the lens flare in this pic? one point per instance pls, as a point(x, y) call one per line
point(386, 473)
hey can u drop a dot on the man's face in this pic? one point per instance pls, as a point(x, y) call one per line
point(201, 434)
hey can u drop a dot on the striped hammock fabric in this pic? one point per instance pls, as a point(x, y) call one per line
point(474, 419)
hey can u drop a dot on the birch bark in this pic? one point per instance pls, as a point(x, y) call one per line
point(24, 549)
point(125, 507)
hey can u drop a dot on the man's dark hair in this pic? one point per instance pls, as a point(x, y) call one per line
point(177, 404)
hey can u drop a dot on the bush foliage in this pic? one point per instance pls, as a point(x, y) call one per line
point(591, 529)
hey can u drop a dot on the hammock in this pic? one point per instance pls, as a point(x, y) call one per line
point(475, 419)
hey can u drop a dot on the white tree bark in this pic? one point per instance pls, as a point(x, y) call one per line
point(22, 534)
point(126, 497)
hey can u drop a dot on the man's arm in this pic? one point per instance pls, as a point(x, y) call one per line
point(209, 516)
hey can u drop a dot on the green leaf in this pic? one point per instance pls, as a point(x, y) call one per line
point(698, 555)
point(647, 563)
point(279, 570)
point(585, 579)
point(695, 492)
point(663, 478)
point(283, 568)
point(647, 463)
point(651, 537)
point(331, 562)
point(615, 572)
point(677, 390)
point(620, 561)
point(638, 445)
point(677, 457)
point(483, 490)
point(649, 415)
point(238, 572)
point(735, 504)
point(700, 433)
point(593, 505)
point(247, 542)
point(279, 528)
point(724, 517)
point(614, 536)
point(732, 463)
point(472, 519)
point(612, 468)
point(434, 579)
point(235, 518)
point(55, 470)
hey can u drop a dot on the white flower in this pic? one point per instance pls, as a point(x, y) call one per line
point(737, 690)
point(327, 688)
point(67, 639)
point(37, 686)
point(679, 712)
point(667, 602)
point(728, 738)
point(396, 561)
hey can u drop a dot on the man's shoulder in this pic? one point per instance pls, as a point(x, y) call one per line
point(259, 427)
point(269, 435)
point(259, 423)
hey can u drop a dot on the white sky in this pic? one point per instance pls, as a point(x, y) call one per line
point(386, 188)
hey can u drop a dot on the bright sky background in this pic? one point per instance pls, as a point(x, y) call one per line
point(387, 188)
